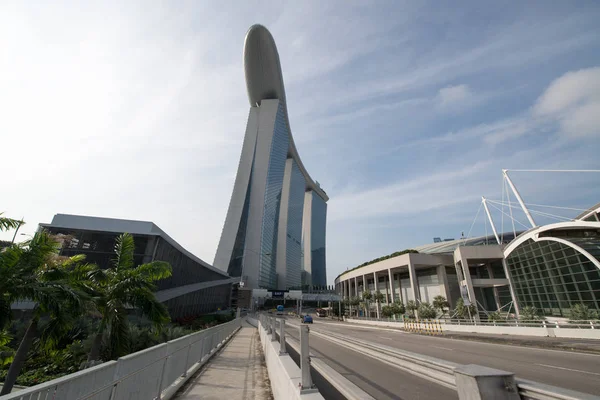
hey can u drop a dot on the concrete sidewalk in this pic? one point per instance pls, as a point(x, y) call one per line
point(237, 372)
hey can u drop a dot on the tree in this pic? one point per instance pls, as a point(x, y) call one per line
point(6, 353)
point(124, 284)
point(581, 312)
point(32, 271)
point(440, 303)
point(366, 295)
point(426, 311)
point(398, 308)
point(9, 223)
point(387, 311)
point(411, 306)
point(530, 313)
point(354, 302)
point(379, 299)
point(462, 311)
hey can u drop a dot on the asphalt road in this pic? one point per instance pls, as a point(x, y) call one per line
point(570, 370)
point(374, 377)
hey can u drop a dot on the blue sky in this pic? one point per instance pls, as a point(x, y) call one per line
point(405, 112)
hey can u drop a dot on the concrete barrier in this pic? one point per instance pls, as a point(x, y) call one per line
point(284, 374)
point(549, 331)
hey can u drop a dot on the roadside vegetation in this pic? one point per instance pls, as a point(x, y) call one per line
point(79, 314)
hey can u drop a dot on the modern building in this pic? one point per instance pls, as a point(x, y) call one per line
point(431, 271)
point(551, 267)
point(195, 287)
point(274, 231)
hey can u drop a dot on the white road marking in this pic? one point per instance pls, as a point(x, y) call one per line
point(569, 369)
point(443, 348)
point(386, 338)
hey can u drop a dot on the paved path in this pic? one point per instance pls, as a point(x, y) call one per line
point(238, 372)
point(570, 370)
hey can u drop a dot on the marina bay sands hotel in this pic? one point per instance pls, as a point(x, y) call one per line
point(274, 232)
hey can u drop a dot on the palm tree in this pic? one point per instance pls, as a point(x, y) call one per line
point(366, 295)
point(355, 302)
point(440, 303)
point(31, 271)
point(121, 286)
point(411, 306)
point(9, 223)
point(378, 298)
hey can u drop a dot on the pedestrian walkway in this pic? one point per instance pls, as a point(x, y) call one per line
point(237, 372)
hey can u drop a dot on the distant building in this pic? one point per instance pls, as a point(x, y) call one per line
point(274, 232)
point(195, 286)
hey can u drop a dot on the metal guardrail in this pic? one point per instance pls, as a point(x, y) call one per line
point(453, 375)
point(583, 324)
point(146, 374)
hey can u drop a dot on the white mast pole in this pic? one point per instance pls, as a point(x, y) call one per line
point(487, 211)
point(519, 199)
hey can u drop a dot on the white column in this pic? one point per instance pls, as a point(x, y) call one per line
point(365, 285)
point(467, 274)
point(391, 278)
point(356, 286)
point(443, 281)
point(414, 284)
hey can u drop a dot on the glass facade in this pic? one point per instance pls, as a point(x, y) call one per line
point(317, 245)
point(267, 277)
point(294, 228)
point(553, 276)
point(237, 255)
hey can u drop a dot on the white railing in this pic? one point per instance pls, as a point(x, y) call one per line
point(466, 380)
point(583, 324)
point(153, 373)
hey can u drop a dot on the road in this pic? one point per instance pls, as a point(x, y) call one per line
point(570, 370)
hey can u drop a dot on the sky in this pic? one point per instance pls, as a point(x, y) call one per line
point(405, 112)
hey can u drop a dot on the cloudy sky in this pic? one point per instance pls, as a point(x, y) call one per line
point(406, 113)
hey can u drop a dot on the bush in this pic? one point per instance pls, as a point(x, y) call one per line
point(462, 311)
point(440, 303)
point(494, 316)
point(426, 311)
point(411, 306)
point(581, 312)
point(387, 311)
point(530, 313)
point(398, 308)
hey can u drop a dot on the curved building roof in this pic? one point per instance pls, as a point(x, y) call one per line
point(264, 80)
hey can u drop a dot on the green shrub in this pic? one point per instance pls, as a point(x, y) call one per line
point(581, 312)
point(530, 313)
point(426, 311)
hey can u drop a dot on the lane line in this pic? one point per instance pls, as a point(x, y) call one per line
point(569, 369)
point(386, 338)
point(443, 348)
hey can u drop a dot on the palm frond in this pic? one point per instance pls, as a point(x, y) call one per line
point(155, 270)
point(124, 248)
point(151, 308)
point(119, 333)
point(9, 223)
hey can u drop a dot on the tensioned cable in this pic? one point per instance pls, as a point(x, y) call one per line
point(510, 209)
point(473, 223)
point(502, 216)
point(553, 170)
point(516, 220)
point(555, 216)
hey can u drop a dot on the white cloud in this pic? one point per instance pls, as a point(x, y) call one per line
point(573, 100)
point(454, 95)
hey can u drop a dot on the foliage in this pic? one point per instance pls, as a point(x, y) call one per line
point(530, 313)
point(366, 295)
point(387, 311)
point(6, 353)
point(396, 254)
point(9, 223)
point(462, 311)
point(398, 308)
point(124, 284)
point(378, 296)
point(494, 316)
point(354, 301)
point(426, 311)
point(411, 306)
point(581, 312)
point(440, 303)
